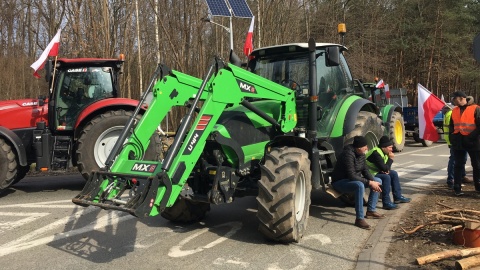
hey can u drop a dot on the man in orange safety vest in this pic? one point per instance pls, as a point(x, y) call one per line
point(464, 135)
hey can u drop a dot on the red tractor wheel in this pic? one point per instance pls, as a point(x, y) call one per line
point(100, 135)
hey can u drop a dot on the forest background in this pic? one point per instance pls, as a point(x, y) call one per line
point(404, 42)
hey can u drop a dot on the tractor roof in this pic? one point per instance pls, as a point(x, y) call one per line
point(294, 47)
point(70, 62)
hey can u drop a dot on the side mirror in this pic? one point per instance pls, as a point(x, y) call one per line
point(48, 70)
point(332, 58)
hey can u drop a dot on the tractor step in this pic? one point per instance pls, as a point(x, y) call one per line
point(61, 152)
point(330, 190)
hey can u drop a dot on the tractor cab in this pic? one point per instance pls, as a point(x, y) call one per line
point(288, 65)
point(77, 84)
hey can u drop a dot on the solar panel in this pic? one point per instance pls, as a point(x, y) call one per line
point(218, 8)
point(240, 8)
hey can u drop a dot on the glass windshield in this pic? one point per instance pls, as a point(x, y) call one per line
point(291, 70)
point(76, 89)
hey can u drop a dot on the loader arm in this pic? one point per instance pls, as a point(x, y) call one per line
point(156, 184)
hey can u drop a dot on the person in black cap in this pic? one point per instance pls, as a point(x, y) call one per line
point(379, 162)
point(351, 175)
point(464, 131)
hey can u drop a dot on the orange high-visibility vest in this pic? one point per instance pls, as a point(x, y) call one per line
point(465, 123)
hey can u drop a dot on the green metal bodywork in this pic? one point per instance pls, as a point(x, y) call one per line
point(272, 101)
point(223, 92)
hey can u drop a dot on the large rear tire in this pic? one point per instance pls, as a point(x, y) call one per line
point(98, 138)
point(284, 194)
point(368, 125)
point(397, 131)
point(186, 211)
point(8, 165)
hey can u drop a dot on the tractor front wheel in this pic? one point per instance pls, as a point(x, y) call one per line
point(284, 194)
point(8, 165)
point(100, 135)
point(186, 211)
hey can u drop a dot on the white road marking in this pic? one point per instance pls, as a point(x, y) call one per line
point(305, 257)
point(234, 261)
point(10, 225)
point(51, 204)
point(176, 251)
point(419, 150)
point(29, 240)
point(427, 180)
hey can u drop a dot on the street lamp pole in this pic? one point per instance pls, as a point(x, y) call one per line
point(229, 30)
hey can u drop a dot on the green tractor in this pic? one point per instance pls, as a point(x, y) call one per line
point(392, 115)
point(265, 132)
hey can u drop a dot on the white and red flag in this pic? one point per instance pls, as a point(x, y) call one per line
point(50, 50)
point(248, 46)
point(380, 84)
point(387, 91)
point(428, 106)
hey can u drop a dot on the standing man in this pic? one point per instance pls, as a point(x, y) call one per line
point(379, 162)
point(464, 136)
point(447, 114)
point(351, 175)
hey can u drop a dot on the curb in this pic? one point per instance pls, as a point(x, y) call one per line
point(372, 257)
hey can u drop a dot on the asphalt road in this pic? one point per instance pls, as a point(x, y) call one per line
point(41, 229)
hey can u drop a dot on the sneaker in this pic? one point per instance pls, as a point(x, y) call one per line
point(389, 206)
point(402, 200)
point(459, 193)
point(374, 215)
point(450, 186)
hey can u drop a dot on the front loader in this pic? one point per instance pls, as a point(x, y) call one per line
point(244, 134)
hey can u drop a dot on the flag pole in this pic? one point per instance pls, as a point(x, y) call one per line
point(54, 71)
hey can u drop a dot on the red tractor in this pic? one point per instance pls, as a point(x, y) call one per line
point(77, 125)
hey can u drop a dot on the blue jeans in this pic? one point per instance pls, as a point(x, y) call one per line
point(358, 189)
point(390, 182)
point(451, 166)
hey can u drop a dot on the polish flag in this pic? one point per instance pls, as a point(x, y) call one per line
point(51, 50)
point(428, 106)
point(387, 91)
point(380, 84)
point(248, 46)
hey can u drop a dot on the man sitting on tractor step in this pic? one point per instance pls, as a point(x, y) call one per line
point(379, 161)
point(351, 175)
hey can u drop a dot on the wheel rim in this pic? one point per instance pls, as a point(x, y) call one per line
point(105, 143)
point(300, 196)
point(372, 140)
point(398, 131)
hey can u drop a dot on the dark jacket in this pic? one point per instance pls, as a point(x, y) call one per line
point(378, 161)
point(471, 142)
point(352, 166)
